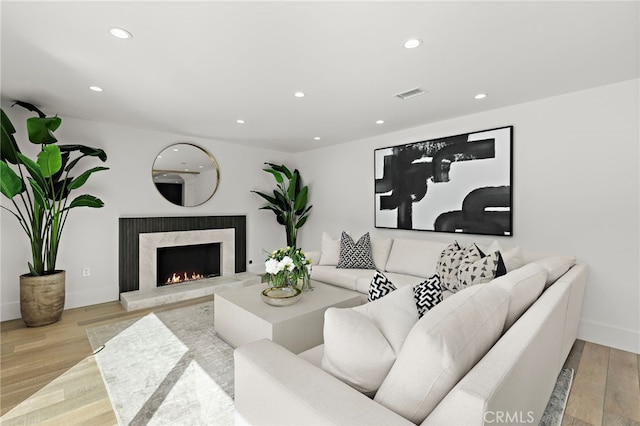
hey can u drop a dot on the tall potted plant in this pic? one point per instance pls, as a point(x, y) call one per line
point(39, 191)
point(289, 200)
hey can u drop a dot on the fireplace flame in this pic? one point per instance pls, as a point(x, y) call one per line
point(176, 278)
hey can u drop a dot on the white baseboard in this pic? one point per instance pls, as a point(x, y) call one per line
point(11, 310)
point(605, 334)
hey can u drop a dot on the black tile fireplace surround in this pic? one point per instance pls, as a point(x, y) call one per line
point(131, 227)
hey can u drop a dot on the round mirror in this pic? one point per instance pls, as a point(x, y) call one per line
point(186, 174)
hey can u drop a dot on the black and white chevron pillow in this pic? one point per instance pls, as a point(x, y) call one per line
point(380, 286)
point(427, 294)
point(355, 255)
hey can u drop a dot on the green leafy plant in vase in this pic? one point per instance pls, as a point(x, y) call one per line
point(289, 200)
point(40, 191)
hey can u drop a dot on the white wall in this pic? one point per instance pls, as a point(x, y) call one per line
point(575, 189)
point(91, 236)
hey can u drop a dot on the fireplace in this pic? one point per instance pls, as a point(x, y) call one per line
point(141, 237)
point(180, 264)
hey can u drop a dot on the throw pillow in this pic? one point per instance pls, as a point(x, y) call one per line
point(428, 294)
point(469, 254)
point(512, 258)
point(524, 286)
point(448, 263)
point(478, 271)
point(441, 348)
point(556, 267)
point(329, 250)
point(355, 255)
point(361, 343)
point(380, 286)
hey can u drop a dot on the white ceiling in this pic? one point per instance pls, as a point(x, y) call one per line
point(194, 68)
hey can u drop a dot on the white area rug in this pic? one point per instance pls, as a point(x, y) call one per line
point(168, 368)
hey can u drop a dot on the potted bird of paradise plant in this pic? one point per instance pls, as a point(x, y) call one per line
point(40, 193)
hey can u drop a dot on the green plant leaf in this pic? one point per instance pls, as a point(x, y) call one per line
point(38, 195)
point(281, 201)
point(301, 199)
point(275, 174)
point(34, 170)
point(80, 180)
point(86, 151)
point(291, 191)
point(41, 129)
point(32, 270)
point(266, 197)
point(10, 183)
point(301, 221)
point(50, 160)
point(60, 189)
point(86, 200)
point(280, 168)
point(8, 145)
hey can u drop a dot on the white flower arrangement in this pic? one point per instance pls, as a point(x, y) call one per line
point(287, 266)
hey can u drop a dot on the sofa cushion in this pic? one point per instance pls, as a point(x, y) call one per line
point(355, 255)
point(428, 294)
point(345, 278)
point(524, 286)
point(441, 348)
point(448, 263)
point(329, 250)
point(380, 286)
point(414, 257)
point(380, 249)
point(398, 280)
point(361, 343)
point(556, 266)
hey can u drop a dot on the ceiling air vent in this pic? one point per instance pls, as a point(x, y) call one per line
point(410, 93)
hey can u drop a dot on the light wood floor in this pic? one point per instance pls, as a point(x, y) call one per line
point(48, 374)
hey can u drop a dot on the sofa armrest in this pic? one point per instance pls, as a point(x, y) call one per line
point(276, 387)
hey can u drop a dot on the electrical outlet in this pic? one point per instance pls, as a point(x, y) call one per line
point(86, 271)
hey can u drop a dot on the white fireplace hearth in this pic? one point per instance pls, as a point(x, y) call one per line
point(150, 295)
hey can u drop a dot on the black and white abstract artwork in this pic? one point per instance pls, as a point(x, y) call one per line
point(458, 183)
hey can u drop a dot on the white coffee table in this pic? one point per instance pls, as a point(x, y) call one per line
point(240, 316)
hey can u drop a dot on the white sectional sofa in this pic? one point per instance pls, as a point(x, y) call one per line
point(487, 354)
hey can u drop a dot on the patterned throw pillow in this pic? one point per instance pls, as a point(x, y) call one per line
point(355, 255)
point(447, 267)
point(478, 271)
point(380, 286)
point(427, 294)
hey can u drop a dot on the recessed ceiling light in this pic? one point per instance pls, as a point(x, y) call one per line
point(201, 167)
point(186, 170)
point(299, 94)
point(159, 156)
point(120, 33)
point(379, 121)
point(176, 149)
point(95, 88)
point(412, 43)
point(317, 138)
point(480, 96)
point(240, 121)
